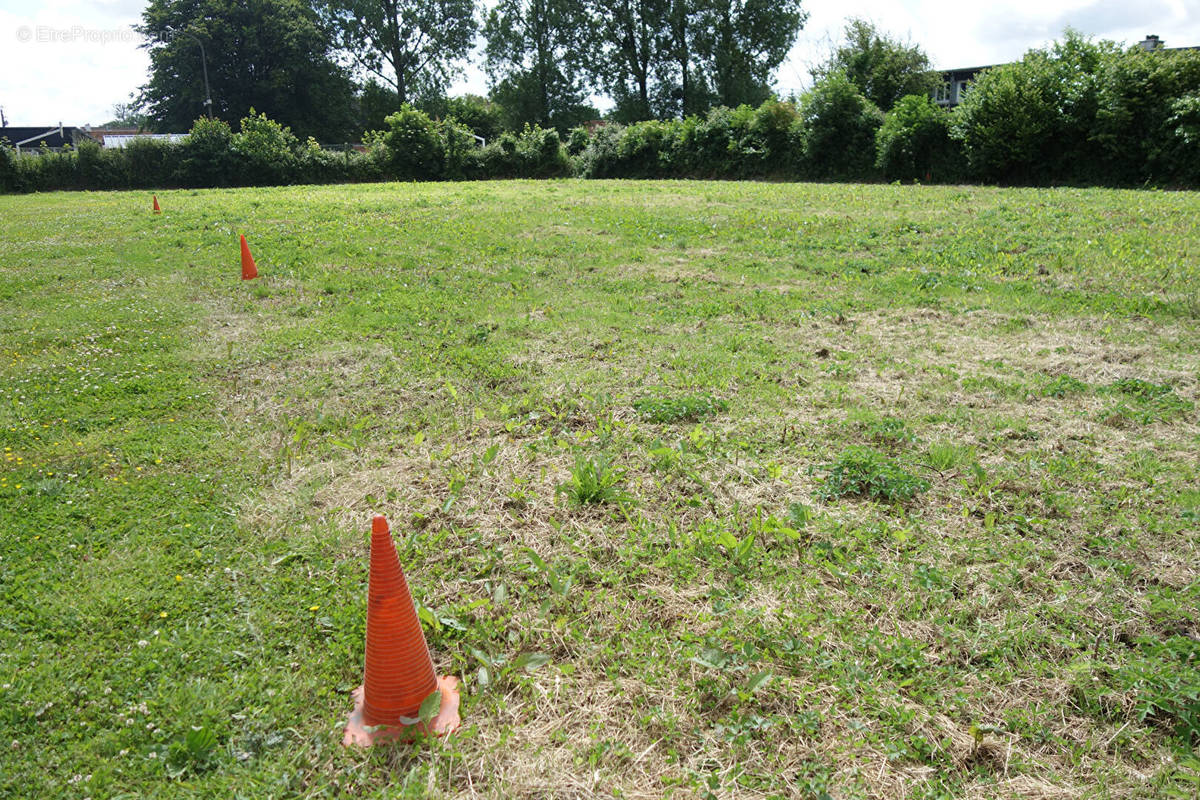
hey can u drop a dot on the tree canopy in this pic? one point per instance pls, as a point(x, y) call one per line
point(414, 46)
point(672, 58)
point(881, 67)
point(270, 55)
point(537, 60)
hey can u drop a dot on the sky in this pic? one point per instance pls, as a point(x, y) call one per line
point(71, 61)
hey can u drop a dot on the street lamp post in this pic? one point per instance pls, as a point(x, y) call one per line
point(204, 68)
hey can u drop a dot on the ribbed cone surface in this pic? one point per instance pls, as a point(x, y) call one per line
point(157, 210)
point(249, 271)
point(399, 674)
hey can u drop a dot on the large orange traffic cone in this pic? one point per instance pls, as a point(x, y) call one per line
point(249, 270)
point(157, 210)
point(399, 674)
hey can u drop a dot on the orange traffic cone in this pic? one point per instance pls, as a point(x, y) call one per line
point(249, 270)
point(399, 676)
point(157, 210)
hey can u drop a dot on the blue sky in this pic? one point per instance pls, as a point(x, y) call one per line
point(70, 61)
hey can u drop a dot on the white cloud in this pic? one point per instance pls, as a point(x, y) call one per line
point(69, 63)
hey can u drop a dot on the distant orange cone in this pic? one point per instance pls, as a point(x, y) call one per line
point(249, 270)
point(399, 675)
point(157, 210)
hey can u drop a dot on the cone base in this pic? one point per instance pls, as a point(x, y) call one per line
point(446, 721)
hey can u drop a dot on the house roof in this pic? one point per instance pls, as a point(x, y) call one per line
point(49, 134)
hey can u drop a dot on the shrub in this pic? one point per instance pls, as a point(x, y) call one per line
point(533, 153)
point(265, 150)
point(49, 171)
point(548, 157)
point(914, 142)
point(206, 156)
point(10, 179)
point(1030, 122)
point(149, 163)
point(482, 117)
point(1142, 115)
point(769, 136)
point(458, 147)
point(602, 159)
point(837, 130)
point(646, 150)
point(577, 141)
point(414, 147)
point(91, 167)
point(1184, 124)
point(719, 143)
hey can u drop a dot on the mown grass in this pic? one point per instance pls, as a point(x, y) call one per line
point(607, 421)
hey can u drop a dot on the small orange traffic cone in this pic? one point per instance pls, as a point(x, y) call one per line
point(399, 675)
point(157, 210)
point(249, 270)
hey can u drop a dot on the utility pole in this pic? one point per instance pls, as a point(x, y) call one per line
point(3, 119)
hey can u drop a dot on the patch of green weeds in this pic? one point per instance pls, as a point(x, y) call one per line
point(864, 472)
point(944, 456)
point(687, 408)
point(1142, 402)
point(594, 481)
point(1064, 386)
point(1139, 389)
point(1157, 681)
point(976, 383)
point(890, 432)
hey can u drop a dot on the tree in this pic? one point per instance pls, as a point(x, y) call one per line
point(680, 57)
point(883, 68)
point(685, 91)
point(415, 46)
point(479, 115)
point(130, 115)
point(376, 102)
point(631, 33)
point(742, 43)
point(536, 58)
point(271, 55)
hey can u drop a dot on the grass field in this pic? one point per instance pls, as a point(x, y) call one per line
point(704, 489)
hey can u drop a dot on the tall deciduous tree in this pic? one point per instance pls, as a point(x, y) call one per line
point(680, 57)
point(415, 46)
point(742, 43)
point(537, 53)
point(883, 68)
point(632, 55)
point(270, 55)
point(685, 90)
